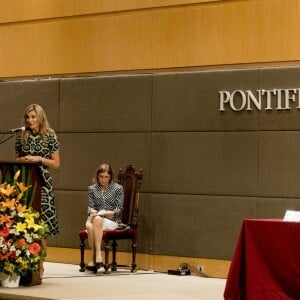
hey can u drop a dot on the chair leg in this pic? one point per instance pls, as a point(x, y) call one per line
point(133, 247)
point(82, 247)
point(114, 251)
point(106, 254)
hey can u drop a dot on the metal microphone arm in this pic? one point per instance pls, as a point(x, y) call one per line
point(5, 140)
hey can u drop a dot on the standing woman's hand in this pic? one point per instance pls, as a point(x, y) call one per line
point(33, 158)
point(53, 162)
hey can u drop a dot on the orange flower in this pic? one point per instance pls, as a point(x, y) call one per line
point(20, 243)
point(19, 197)
point(4, 232)
point(8, 203)
point(22, 187)
point(6, 219)
point(34, 248)
point(21, 208)
point(8, 190)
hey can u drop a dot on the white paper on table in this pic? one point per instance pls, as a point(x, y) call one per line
point(292, 216)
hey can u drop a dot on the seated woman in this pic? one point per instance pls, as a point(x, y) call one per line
point(105, 204)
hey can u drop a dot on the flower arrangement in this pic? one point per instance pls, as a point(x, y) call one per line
point(21, 231)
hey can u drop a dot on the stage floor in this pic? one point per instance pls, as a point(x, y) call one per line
point(65, 282)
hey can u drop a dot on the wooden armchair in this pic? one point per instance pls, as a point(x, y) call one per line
point(131, 181)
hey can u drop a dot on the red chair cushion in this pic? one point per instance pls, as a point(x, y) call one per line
point(117, 234)
point(83, 235)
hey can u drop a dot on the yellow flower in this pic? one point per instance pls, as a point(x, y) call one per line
point(31, 224)
point(9, 267)
point(28, 216)
point(22, 262)
point(17, 174)
point(21, 227)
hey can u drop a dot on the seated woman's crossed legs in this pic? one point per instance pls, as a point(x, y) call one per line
point(95, 226)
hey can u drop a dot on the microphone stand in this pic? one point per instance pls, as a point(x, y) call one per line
point(6, 139)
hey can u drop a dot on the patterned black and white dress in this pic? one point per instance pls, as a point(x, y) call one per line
point(34, 145)
point(110, 199)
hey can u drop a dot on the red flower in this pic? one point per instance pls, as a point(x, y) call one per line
point(4, 232)
point(5, 256)
point(20, 243)
point(34, 248)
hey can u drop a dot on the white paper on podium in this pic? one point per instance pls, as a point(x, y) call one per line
point(292, 216)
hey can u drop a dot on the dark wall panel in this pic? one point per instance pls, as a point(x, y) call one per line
point(204, 170)
point(16, 95)
point(82, 153)
point(190, 101)
point(279, 164)
point(72, 214)
point(220, 163)
point(106, 104)
point(192, 225)
point(275, 207)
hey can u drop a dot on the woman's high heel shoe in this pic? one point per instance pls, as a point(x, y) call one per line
point(94, 268)
point(90, 268)
point(99, 265)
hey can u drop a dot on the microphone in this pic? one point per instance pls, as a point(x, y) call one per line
point(14, 130)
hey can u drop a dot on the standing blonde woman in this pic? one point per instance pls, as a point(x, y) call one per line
point(39, 144)
point(105, 205)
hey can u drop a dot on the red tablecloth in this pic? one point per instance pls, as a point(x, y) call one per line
point(266, 262)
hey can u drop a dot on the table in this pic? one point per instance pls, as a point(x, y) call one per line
point(266, 262)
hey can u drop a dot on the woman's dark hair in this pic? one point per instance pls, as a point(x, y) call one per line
point(104, 168)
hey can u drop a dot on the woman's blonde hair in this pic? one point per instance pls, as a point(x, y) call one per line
point(44, 126)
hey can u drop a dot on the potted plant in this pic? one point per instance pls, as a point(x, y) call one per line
point(21, 233)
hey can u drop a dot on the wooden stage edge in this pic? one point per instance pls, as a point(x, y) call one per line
point(160, 263)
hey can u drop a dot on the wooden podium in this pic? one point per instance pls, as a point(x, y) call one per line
point(30, 175)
